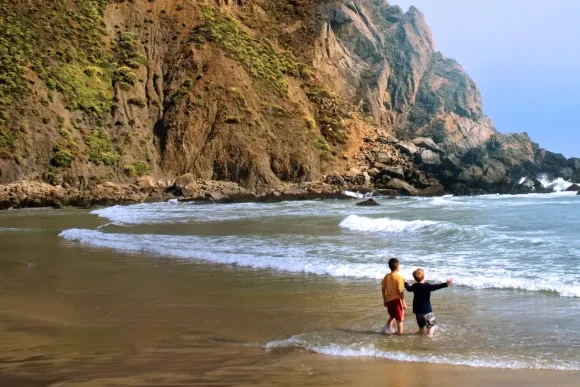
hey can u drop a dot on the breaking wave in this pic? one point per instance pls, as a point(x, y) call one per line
point(371, 350)
point(294, 257)
point(172, 212)
point(364, 224)
point(558, 185)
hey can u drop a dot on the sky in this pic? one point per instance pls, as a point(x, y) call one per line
point(525, 57)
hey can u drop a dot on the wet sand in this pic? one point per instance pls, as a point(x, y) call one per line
point(73, 315)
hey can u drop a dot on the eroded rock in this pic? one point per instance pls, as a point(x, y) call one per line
point(396, 172)
point(494, 172)
point(368, 203)
point(452, 163)
point(400, 185)
point(427, 143)
point(434, 190)
point(428, 158)
point(184, 181)
point(471, 174)
point(407, 148)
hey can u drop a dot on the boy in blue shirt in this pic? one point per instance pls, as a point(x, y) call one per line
point(422, 301)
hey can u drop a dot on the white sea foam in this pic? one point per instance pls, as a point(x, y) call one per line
point(370, 350)
point(499, 282)
point(356, 195)
point(223, 251)
point(12, 229)
point(294, 257)
point(174, 212)
point(448, 201)
point(558, 185)
point(439, 201)
point(365, 224)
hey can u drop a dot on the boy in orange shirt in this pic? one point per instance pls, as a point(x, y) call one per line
point(393, 297)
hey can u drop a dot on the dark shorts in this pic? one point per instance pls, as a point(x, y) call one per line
point(395, 309)
point(426, 320)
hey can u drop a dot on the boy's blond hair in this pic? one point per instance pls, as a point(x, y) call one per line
point(419, 275)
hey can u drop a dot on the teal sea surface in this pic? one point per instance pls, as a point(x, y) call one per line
point(515, 261)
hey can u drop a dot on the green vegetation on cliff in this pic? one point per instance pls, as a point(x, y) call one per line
point(100, 148)
point(330, 114)
point(259, 56)
point(64, 150)
point(15, 49)
point(62, 43)
point(139, 168)
point(128, 59)
point(71, 55)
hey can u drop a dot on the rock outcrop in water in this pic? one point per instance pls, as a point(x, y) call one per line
point(368, 203)
point(258, 92)
point(146, 190)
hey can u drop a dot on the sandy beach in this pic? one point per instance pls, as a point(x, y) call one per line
point(76, 315)
point(206, 338)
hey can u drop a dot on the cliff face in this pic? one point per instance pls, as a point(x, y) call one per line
point(253, 91)
point(389, 63)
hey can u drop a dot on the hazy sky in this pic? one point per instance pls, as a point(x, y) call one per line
point(525, 57)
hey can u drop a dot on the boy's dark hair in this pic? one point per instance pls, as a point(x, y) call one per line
point(393, 264)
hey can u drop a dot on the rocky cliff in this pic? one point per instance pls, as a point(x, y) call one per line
point(253, 91)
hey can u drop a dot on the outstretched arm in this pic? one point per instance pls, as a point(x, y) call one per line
point(408, 287)
point(442, 285)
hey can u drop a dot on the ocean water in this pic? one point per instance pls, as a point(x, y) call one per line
point(515, 261)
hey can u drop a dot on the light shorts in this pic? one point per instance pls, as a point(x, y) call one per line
point(426, 320)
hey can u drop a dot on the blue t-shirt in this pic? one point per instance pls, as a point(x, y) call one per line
point(422, 299)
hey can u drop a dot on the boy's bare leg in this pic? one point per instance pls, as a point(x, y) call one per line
point(421, 331)
point(400, 327)
point(430, 331)
point(388, 326)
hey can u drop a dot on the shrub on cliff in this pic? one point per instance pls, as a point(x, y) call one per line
point(125, 76)
point(64, 150)
point(100, 149)
point(139, 168)
point(62, 157)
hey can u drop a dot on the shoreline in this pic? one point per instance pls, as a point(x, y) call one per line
point(155, 336)
point(375, 371)
point(41, 195)
point(33, 194)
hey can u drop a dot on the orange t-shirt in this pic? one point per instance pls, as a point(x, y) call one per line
point(393, 285)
